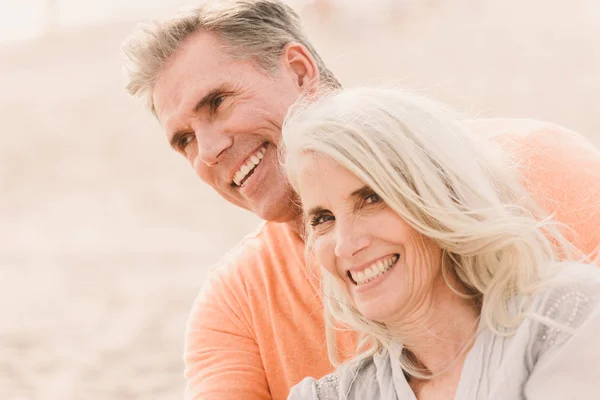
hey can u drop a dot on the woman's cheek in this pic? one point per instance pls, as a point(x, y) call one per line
point(324, 252)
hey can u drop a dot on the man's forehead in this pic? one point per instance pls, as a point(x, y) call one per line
point(201, 47)
point(199, 66)
point(177, 97)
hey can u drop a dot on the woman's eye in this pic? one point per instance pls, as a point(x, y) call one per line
point(216, 102)
point(372, 199)
point(320, 219)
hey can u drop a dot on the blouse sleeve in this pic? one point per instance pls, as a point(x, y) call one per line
point(567, 362)
point(305, 390)
point(326, 388)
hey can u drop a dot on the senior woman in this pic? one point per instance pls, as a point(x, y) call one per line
point(432, 250)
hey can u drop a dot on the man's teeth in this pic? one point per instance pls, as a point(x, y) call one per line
point(252, 162)
point(375, 270)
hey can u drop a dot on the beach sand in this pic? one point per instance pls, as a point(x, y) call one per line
point(106, 234)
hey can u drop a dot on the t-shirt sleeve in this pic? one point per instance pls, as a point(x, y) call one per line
point(568, 361)
point(222, 358)
point(562, 172)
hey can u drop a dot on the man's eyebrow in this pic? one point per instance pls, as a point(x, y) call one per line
point(208, 97)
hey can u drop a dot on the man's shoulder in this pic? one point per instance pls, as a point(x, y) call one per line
point(270, 254)
point(247, 273)
point(527, 132)
point(513, 126)
point(549, 155)
point(269, 242)
point(249, 250)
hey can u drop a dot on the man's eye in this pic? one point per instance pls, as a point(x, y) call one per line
point(184, 142)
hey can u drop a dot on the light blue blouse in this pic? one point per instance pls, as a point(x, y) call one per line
point(541, 361)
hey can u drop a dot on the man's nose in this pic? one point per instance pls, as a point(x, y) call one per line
point(212, 145)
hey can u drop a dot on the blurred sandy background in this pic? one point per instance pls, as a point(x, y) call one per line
point(106, 234)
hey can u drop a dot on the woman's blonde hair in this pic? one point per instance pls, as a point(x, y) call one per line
point(450, 184)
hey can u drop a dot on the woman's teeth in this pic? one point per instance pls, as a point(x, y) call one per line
point(249, 166)
point(376, 269)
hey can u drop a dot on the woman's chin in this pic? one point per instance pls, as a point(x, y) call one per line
point(377, 312)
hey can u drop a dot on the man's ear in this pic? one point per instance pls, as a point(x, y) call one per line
point(299, 62)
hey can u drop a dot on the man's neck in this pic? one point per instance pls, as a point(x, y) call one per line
point(297, 226)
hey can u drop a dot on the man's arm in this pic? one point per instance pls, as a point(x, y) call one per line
point(222, 358)
point(562, 171)
point(559, 168)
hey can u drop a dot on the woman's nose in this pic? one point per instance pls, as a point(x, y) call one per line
point(350, 238)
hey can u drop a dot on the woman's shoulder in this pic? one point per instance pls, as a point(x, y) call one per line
point(571, 297)
point(344, 380)
point(325, 388)
point(573, 283)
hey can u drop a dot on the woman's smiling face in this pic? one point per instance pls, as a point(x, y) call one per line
point(386, 267)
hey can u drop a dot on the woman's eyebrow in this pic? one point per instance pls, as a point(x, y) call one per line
point(362, 192)
point(315, 210)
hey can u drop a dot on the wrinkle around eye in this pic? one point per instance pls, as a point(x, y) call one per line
point(184, 144)
point(375, 199)
point(185, 141)
point(216, 102)
point(319, 224)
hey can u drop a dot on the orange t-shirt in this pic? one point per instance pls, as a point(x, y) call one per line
point(257, 327)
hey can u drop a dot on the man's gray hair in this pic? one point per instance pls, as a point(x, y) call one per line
point(251, 29)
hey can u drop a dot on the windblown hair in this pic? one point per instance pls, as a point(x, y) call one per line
point(250, 29)
point(448, 183)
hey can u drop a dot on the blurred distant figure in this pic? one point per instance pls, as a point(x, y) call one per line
point(358, 15)
point(323, 7)
point(51, 10)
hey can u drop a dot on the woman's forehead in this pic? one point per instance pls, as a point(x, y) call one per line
point(322, 181)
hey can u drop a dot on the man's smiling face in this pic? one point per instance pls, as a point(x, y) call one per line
point(225, 116)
